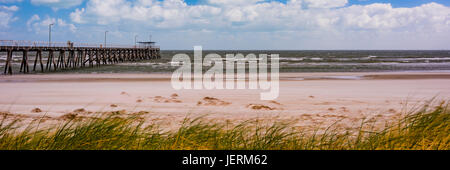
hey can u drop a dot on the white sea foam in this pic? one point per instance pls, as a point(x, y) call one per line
point(291, 59)
point(316, 59)
point(340, 77)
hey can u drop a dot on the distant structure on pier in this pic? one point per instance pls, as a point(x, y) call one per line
point(146, 44)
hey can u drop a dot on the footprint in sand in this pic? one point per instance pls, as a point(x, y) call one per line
point(36, 110)
point(275, 102)
point(173, 99)
point(211, 101)
point(125, 93)
point(69, 116)
point(79, 110)
point(259, 107)
point(344, 109)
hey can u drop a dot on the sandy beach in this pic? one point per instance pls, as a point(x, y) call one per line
point(309, 99)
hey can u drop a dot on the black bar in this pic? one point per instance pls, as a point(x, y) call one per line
point(272, 159)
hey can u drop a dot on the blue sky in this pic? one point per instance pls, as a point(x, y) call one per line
point(235, 24)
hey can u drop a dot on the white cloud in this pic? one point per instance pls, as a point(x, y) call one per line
point(428, 17)
point(57, 4)
point(33, 19)
point(9, 8)
point(325, 3)
point(76, 16)
point(233, 2)
point(6, 18)
point(35, 23)
point(10, 1)
point(165, 14)
point(7, 15)
point(63, 24)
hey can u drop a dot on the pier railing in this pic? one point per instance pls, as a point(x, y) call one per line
point(25, 43)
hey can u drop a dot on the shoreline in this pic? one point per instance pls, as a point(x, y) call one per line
point(105, 77)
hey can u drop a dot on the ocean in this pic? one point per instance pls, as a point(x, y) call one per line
point(290, 61)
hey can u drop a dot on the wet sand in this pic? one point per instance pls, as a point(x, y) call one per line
point(310, 99)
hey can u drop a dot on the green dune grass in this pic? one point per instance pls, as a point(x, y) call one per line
point(425, 129)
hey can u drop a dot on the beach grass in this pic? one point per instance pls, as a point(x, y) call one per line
point(426, 128)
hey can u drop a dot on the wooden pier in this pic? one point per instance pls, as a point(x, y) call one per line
point(64, 56)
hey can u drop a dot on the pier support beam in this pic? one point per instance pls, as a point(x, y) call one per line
point(24, 64)
point(77, 57)
point(38, 57)
point(8, 64)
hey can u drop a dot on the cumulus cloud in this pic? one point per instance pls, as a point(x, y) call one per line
point(10, 1)
point(325, 3)
point(9, 8)
point(35, 23)
point(57, 4)
point(33, 19)
point(76, 16)
point(427, 17)
point(258, 14)
point(7, 15)
point(165, 14)
point(313, 19)
point(233, 2)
